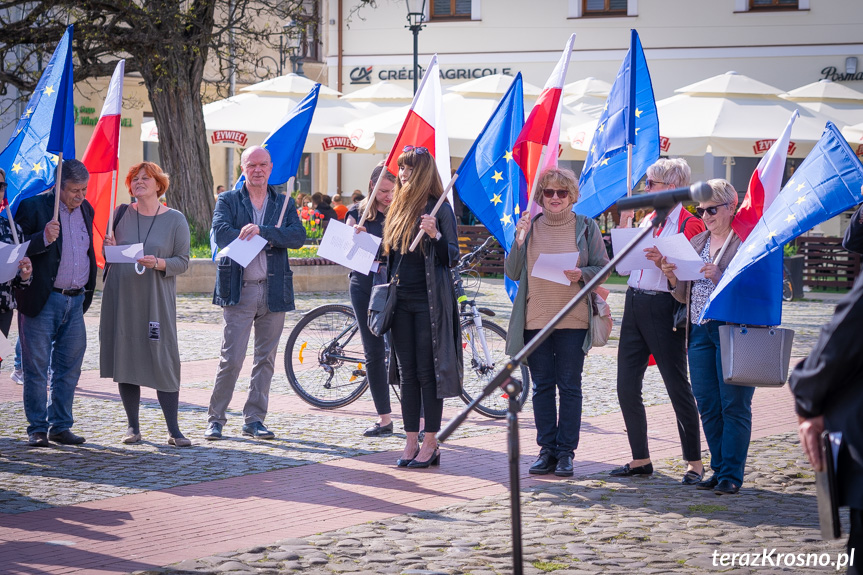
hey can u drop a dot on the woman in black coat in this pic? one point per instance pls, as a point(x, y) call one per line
point(425, 332)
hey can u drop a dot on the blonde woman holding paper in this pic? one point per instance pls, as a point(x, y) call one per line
point(557, 363)
point(726, 410)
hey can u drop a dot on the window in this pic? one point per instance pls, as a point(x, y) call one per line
point(450, 10)
point(605, 7)
point(771, 4)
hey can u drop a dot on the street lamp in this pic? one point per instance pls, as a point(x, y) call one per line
point(416, 17)
point(295, 45)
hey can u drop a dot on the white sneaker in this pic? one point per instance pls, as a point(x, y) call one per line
point(18, 377)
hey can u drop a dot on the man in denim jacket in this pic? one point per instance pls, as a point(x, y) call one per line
point(257, 295)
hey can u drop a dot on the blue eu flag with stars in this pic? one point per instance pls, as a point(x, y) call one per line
point(489, 181)
point(828, 182)
point(629, 117)
point(46, 128)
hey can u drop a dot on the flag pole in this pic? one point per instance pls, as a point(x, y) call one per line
point(12, 224)
point(533, 188)
point(629, 170)
point(110, 231)
point(434, 211)
point(372, 196)
point(724, 246)
point(57, 179)
point(285, 204)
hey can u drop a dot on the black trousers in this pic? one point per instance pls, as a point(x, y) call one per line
point(647, 329)
point(373, 346)
point(412, 342)
point(855, 542)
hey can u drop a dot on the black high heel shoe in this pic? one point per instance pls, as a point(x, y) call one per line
point(406, 462)
point(435, 460)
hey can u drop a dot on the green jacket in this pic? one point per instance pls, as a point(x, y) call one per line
point(592, 257)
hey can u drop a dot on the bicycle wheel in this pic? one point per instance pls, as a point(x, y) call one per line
point(787, 287)
point(324, 358)
point(477, 371)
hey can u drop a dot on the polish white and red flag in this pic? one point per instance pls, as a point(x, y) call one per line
point(425, 125)
point(542, 128)
point(765, 183)
point(102, 159)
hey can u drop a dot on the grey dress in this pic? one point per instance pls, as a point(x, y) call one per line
point(138, 324)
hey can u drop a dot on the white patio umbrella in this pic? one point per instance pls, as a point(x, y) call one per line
point(494, 85)
point(247, 119)
point(289, 85)
point(467, 107)
point(733, 115)
point(854, 135)
point(379, 97)
point(839, 102)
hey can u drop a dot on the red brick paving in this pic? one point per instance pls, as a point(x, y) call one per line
point(157, 528)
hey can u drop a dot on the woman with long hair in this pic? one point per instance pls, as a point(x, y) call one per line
point(361, 289)
point(425, 331)
point(138, 322)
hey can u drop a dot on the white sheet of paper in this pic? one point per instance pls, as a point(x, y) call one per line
point(6, 351)
point(10, 256)
point(243, 251)
point(344, 246)
point(128, 254)
point(551, 266)
point(678, 251)
point(635, 259)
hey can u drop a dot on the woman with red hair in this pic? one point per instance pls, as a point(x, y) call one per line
point(138, 329)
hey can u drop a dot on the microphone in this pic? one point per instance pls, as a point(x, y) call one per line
point(697, 192)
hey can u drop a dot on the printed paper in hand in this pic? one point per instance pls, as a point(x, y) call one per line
point(243, 251)
point(128, 254)
point(678, 251)
point(10, 256)
point(344, 246)
point(551, 267)
point(635, 259)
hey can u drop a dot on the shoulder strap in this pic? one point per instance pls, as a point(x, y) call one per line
point(681, 224)
point(121, 209)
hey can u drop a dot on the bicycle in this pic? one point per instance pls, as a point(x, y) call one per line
point(787, 286)
point(324, 355)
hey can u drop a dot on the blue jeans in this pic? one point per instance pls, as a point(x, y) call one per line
point(726, 410)
point(557, 364)
point(56, 338)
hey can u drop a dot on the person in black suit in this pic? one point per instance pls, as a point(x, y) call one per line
point(828, 393)
point(853, 241)
point(51, 311)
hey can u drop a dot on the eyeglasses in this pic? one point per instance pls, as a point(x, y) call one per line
point(710, 211)
point(651, 183)
point(417, 150)
point(550, 193)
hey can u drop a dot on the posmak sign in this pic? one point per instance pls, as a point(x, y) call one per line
point(363, 74)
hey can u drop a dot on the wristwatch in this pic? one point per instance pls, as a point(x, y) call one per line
point(437, 236)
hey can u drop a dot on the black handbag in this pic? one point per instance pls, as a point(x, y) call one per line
point(679, 316)
point(382, 305)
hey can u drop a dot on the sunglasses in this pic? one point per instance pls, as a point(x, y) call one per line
point(550, 193)
point(710, 211)
point(651, 183)
point(2, 187)
point(417, 150)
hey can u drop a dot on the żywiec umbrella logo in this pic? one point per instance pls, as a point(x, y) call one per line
point(761, 146)
point(338, 143)
point(229, 137)
point(665, 143)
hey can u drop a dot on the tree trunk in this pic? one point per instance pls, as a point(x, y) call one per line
point(185, 156)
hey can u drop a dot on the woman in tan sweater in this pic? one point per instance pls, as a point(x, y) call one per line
point(558, 362)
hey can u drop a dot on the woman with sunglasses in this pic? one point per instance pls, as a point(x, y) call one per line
point(361, 289)
point(647, 328)
point(425, 333)
point(558, 362)
point(726, 410)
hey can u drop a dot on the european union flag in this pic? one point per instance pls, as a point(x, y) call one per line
point(489, 181)
point(829, 181)
point(45, 128)
point(629, 117)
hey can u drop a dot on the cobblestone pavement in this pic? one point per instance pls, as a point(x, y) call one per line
point(590, 525)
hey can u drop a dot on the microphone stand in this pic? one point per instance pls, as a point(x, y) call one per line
point(513, 389)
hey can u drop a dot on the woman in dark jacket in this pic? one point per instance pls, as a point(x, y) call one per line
point(25, 269)
point(425, 332)
point(361, 289)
